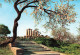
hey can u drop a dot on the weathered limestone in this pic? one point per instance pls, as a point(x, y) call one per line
point(31, 34)
point(16, 50)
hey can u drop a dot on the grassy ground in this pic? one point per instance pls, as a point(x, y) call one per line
point(5, 51)
point(72, 49)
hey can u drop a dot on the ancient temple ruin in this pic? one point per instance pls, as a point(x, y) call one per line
point(31, 33)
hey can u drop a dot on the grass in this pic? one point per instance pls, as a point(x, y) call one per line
point(72, 49)
point(5, 51)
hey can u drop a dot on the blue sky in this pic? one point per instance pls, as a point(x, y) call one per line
point(8, 14)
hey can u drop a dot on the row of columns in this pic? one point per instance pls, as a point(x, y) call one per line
point(30, 33)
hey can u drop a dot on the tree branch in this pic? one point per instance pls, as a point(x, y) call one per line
point(50, 11)
point(22, 2)
point(32, 2)
point(45, 10)
point(28, 5)
point(15, 6)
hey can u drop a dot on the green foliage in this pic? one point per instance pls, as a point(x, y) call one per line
point(50, 42)
point(46, 41)
point(70, 49)
point(2, 39)
point(61, 43)
point(60, 46)
point(5, 51)
point(4, 30)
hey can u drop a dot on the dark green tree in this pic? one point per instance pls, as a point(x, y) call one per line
point(4, 30)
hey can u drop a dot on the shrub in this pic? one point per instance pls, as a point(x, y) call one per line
point(47, 41)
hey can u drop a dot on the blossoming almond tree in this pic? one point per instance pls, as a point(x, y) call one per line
point(41, 8)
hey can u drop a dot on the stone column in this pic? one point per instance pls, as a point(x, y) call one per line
point(37, 33)
point(26, 33)
point(30, 32)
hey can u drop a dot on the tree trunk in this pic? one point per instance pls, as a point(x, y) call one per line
point(5, 43)
point(15, 28)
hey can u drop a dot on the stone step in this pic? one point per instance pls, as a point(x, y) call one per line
point(25, 42)
point(28, 44)
point(28, 53)
point(41, 54)
point(30, 47)
point(44, 54)
point(34, 50)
